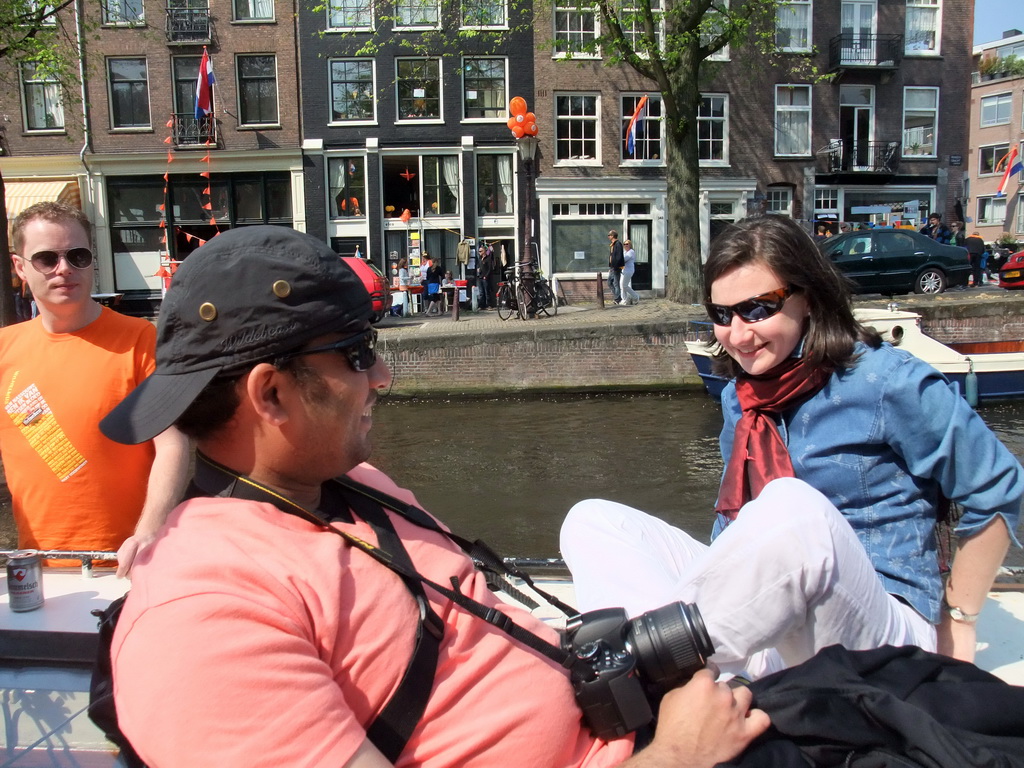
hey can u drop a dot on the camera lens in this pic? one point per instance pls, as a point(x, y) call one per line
point(670, 643)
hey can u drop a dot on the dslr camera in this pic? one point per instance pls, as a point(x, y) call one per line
point(622, 667)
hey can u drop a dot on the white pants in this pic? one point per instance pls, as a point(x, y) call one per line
point(626, 292)
point(788, 574)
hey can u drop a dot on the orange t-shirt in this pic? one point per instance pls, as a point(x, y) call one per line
point(71, 487)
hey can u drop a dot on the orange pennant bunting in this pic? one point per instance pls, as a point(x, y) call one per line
point(208, 206)
point(167, 177)
point(162, 273)
point(162, 224)
point(213, 221)
point(207, 190)
point(205, 159)
point(170, 156)
point(160, 207)
point(205, 174)
point(167, 140)
point(170, 123)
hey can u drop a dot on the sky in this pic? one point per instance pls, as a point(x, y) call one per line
point(992, 17)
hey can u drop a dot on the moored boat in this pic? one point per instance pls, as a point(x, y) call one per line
point(998, 374)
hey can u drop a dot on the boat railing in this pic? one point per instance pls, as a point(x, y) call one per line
point(85, 557)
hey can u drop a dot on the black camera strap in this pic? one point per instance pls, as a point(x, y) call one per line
point(395, 723)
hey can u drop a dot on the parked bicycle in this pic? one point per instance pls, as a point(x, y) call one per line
point(515, 296)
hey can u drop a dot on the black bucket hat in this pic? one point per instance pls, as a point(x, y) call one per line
point(246, 296)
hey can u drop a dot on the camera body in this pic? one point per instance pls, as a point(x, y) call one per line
point(622, 667)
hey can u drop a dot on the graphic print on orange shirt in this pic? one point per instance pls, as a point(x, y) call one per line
point(34, 419)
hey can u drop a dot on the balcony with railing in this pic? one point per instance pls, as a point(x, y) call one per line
point(188, 22)
point(862, 156)
point(189, 131)
point(861, 51)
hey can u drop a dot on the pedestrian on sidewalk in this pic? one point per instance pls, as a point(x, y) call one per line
point(616, 261)
point(629, 296)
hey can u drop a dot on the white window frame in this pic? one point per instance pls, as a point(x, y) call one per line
point(412, 23)
point(655, 119)
point(990, 203)
point(43, 84)
point(563, 42)
point(121, 21)
point(359, 5)
point(913, 48)
point(781, 109)
point(508, 190)
point(372, 119)
point(779, 200)
point(905, 145)
point(1020, 213)
point(110, 96)
point(503, 4)
point(331, 164)
point(238, 87)
point(724, 161)
point(723, 53)
point(439, 118)
point(1001, 99)
point(595, 119)
point(253, 19)
point(632, 32)
point(502, 115)
point(791, 8)
point(999, 151)
point(48, 21)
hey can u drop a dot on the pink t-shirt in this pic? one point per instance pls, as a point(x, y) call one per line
point(251, 638)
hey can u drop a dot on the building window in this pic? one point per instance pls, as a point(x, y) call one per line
point(920, 114)
point(826, 204)
point(257, 90)
point(922, 26)
point(347, 186)
point(43, 100)
point(714, 26)
point(494, 185)
point(349, 14)
point(416, 13)
point(352, 90)
point(576, 31)
point(793, 25)
point(419, 89)
point(1020, 214)
point(40, 14)
point(576, 126)
point(633, 26)
point(712, 129)
point(483, 89)
point(991, 210)
point(480, 14)
point(647, 137)
point(123, 12)
point(792, 120)
point(995, 110)
point(254, 10)
point(187, 129)
point(989, 158)
point(440, 185)
point(779, 200)
point(129, 93)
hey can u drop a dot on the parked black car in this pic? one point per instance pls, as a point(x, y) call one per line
point(892, 261)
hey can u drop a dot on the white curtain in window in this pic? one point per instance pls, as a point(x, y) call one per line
point(641, 239)
point(921, 29)
point(504, 164)
point(793, 136)
point(263, 9)
point(450, 168)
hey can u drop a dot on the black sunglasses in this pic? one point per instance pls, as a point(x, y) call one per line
point(753, 310)
point(47, 261)
point(359, 350)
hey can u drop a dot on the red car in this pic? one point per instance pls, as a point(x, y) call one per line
point(374, 282)
point(1011, 273)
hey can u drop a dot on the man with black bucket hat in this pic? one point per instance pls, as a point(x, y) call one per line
point(273, 620)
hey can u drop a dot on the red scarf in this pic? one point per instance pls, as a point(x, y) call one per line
point(758, 453)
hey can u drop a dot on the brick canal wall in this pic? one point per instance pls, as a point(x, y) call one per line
point(646, 355)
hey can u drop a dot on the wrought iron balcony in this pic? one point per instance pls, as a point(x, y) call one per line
point(188, 131)
point(853, 49)
point(188, 22)
point(852, 156)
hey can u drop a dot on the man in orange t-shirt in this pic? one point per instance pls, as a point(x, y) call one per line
point(71, 487)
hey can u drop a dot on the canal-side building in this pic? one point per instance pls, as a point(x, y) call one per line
point(883, 140)
point(997, 131)
point(407, 151)
point(128, 145)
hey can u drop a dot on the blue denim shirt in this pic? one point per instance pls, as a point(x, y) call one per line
point(881, 440)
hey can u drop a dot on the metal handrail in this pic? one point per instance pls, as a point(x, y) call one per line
point(85, 556)
point(853, 49)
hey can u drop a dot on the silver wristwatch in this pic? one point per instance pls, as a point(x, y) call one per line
point(957, 615)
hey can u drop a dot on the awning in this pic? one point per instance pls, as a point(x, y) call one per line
point(21, 194)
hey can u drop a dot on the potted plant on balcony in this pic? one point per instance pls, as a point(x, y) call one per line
point(1007, 241)
point(987, 66)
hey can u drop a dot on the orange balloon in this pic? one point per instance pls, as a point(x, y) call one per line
point(531, 118)
point(531, 129)
point(517, 131)
point(517, 106)
point(511, 122)
point(520, 119)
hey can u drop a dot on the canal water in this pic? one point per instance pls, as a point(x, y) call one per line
point(507, 470)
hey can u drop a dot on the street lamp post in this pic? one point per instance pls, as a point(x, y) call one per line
point(523, 125)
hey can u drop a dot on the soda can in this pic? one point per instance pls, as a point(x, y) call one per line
point(25, 580)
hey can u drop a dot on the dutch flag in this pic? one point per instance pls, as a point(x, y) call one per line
point(635, 123)
point(204, 87)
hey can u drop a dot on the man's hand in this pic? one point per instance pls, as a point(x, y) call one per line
point(129, 549)
point(702, 724)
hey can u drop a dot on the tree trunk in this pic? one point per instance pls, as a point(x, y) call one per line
point(7, 316)
point(683, 275)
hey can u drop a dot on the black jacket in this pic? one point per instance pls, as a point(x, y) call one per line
point(891, 707)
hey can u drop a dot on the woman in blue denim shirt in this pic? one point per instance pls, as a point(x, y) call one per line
point(881, 435)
